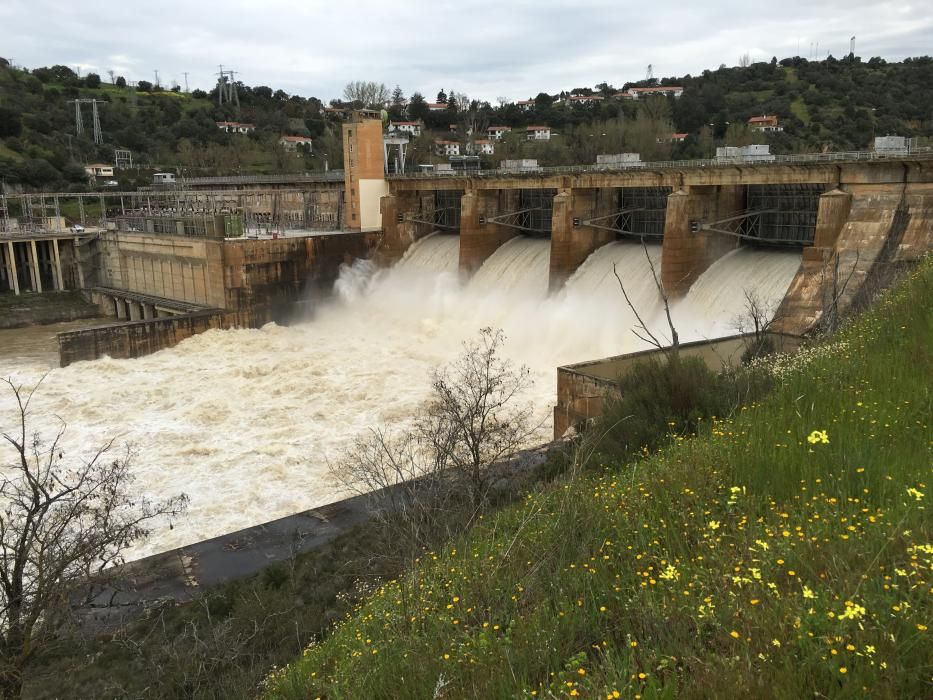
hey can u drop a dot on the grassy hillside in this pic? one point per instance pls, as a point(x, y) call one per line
point(784, 553)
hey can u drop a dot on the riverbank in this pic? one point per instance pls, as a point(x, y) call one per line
point(22, 310)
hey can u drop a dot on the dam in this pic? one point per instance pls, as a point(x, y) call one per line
point(246, 421)
point(238, 370)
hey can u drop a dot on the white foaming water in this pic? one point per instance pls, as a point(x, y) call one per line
point(518, 267)
point(246, 421)
point(441, 254)
point(716, 304)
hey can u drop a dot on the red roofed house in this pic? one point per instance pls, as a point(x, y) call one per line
point(525, 105)
point(666, 90)
point(497, 132)
point(580, 99)
point(447, 148)
point(437, 106)
point(483, 147)
point(291, 143)
point(539, 133)
point(766, 122)
point(678, 138)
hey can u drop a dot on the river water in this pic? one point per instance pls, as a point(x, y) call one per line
point(246, 422)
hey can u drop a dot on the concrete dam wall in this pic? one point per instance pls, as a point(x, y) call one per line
point(170, 287)
point(863, 216)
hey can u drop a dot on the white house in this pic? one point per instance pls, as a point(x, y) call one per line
point(236, 127)
point(437, 106)
point(525, 105)
point(99, 170)
point(497, 132)
point(447, 148)
point(579, 99)
point(413, 128)
point(163, 178)
point(665, 91)
point(539, 133)
point(483, 147)
point(291, 143)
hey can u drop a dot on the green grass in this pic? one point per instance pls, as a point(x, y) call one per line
point(7, 152)
point(755, 560)
point(800, 110)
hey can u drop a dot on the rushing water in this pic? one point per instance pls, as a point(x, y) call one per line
point(246, 421)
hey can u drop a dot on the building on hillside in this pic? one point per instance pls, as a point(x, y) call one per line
point(236, 127)
point(497, 132)
point(664, 91)
point(579, 99)
point(412, 128)
point(447, 148)
point(766, 122)
point(744, 154)
point(679, 138)
point(619, 160)
point(892, 144)
point(525, 105)
point(291, 143)
point(99, 170)
point(163, 179)
point(624, 96)
point(437, 106)
point(539, 133)
point(483, 147)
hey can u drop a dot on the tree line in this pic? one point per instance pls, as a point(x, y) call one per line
point(832, 104)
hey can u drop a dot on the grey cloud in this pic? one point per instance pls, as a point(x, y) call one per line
point(484, 48)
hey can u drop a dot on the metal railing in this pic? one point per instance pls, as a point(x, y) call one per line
point(729, 162)
point(330, 176)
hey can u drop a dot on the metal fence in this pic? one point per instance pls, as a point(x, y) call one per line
point(805, 158)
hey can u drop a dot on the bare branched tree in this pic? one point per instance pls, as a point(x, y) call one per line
point(63, 527)
point(367, 92)
point(834, 287)
point(641, 330)
point(757, 319)
point(475, 419)
point(745, 60)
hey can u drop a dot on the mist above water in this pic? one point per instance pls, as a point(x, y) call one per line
point(246, 421)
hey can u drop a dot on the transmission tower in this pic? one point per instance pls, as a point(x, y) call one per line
point(79, 120)
point(226, 88)
point(649, 73)
point(186, 81)
point(122, 159)
point(852, 46)
point(95, 119)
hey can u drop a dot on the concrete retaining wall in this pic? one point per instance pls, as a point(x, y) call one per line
point(137, 338)
point(245, 283)
point(584, 388)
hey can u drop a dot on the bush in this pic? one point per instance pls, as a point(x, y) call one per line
point(659, 399)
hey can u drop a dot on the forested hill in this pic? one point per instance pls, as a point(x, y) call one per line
point(825, 105)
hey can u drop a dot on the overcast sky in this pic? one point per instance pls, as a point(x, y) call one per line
point(486, 49)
